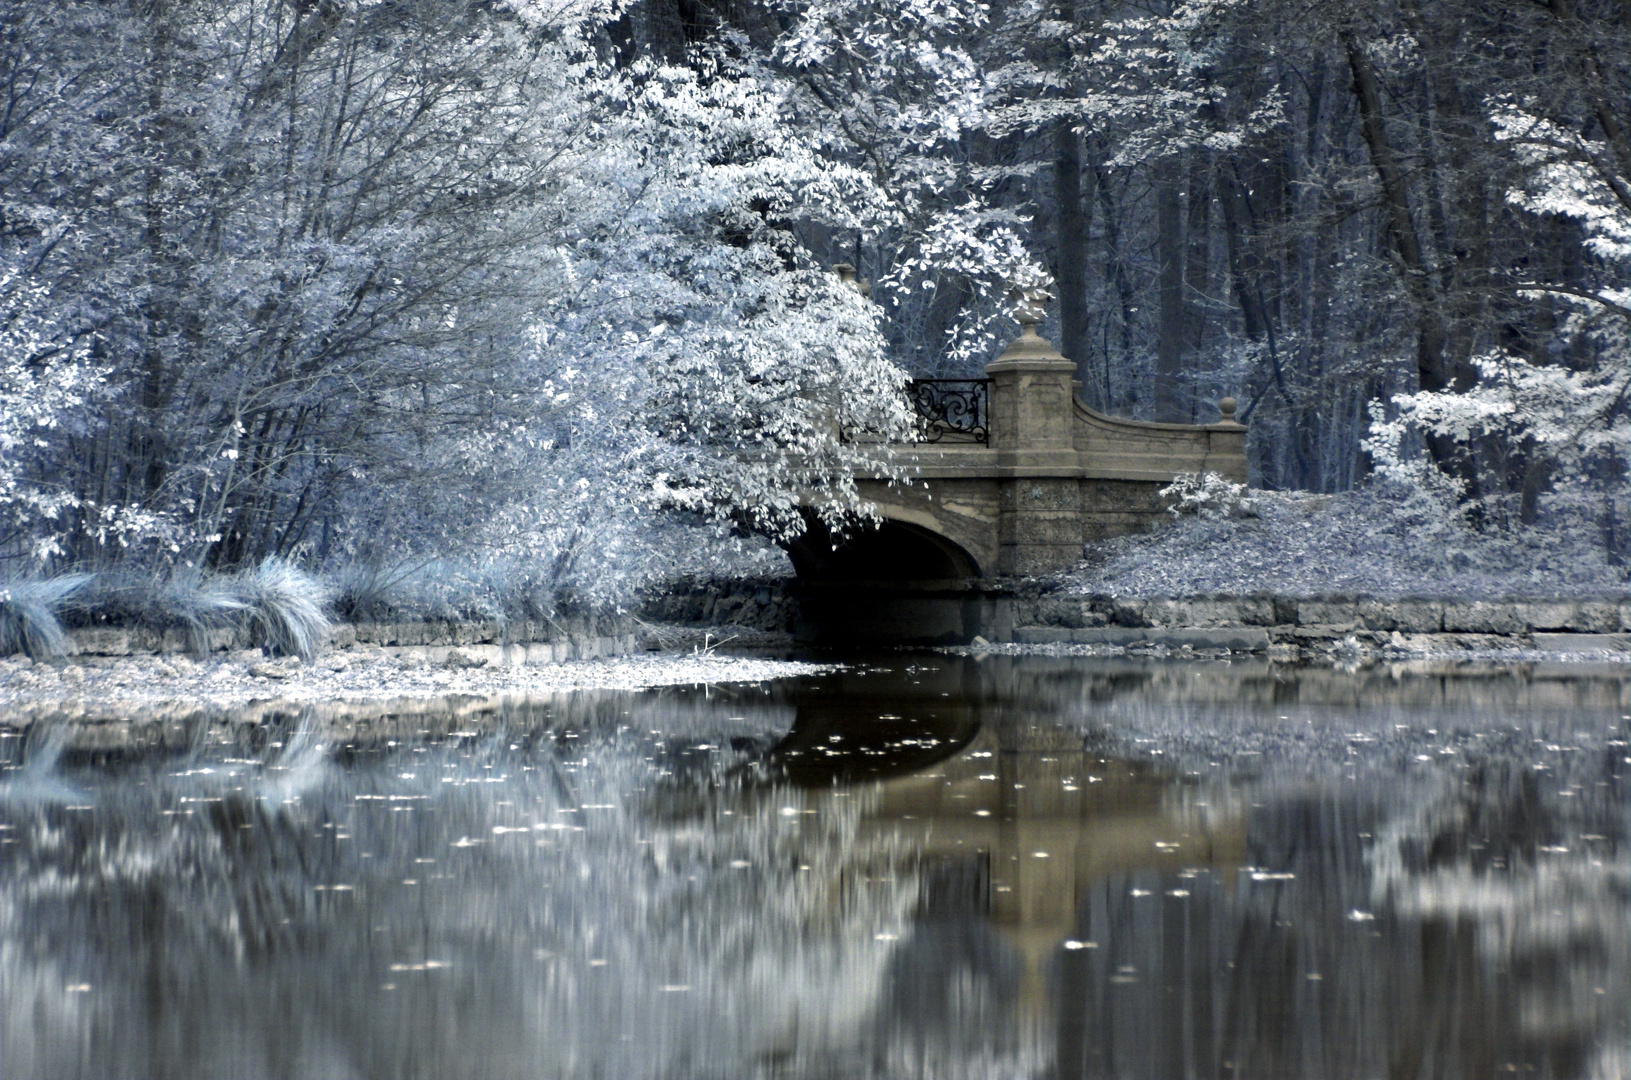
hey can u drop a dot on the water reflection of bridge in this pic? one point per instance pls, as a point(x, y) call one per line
point(997, 808)
point(1041, 820)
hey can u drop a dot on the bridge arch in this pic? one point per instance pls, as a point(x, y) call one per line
point(897, 583)
point(1012, 493)
point(895, 551)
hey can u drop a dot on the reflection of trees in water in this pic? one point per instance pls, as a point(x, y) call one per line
point(544, 950)
point(1518, 880)
point(1442, 915)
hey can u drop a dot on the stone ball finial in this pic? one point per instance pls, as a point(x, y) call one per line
point(1227, 408)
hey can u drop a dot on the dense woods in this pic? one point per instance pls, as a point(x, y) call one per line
point(358, 282)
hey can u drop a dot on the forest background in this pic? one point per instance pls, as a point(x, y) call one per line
point(499, 307)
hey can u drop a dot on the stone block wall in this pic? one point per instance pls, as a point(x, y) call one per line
point(1120, 507)
point(577, 637)
point(1551, 624)
point(762, 603)
point(1040, 525)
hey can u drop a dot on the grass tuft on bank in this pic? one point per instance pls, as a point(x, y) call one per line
point(275, 604)
point(29, 611)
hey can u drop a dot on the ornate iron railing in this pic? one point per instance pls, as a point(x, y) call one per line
point(953, 410)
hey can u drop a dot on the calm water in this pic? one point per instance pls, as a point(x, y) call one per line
point(921, 867)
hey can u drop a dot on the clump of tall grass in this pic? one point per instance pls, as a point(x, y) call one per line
point(284, 608)
point(274, 604)
point(180, 598)
point(450, 590)
point(28, 615)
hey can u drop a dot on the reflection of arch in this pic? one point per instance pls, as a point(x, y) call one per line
point(847, 741)
point(895, 551)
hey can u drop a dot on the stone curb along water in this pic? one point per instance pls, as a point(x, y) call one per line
point(1238, 624)
point(500, 644)
point(1261, 623)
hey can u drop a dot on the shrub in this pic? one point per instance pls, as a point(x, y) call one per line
point(1208, 495)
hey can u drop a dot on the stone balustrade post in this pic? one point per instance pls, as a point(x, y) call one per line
point(1032, 418)
point(1032, 393)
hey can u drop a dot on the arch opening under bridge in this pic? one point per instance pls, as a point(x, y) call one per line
point(897, 583)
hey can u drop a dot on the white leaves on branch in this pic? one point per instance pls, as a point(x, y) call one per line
point(1209, 496)
point(1572, 417)
point(45, 380)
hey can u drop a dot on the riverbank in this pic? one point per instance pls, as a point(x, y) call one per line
point(1371, 573)
point(1028, 614)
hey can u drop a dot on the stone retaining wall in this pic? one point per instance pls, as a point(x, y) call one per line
point(522, 641)
point(1258, 623)
point(762, 603)
point(1237, 623)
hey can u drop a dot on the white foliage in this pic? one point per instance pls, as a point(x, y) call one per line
point(466, 287)
point(1208, 495)
point(45, 381)
point(1385, 541)
point(1573, 418)
point(900, 90)
point(1568, 175)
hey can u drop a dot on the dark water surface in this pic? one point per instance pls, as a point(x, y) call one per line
point(926, 866)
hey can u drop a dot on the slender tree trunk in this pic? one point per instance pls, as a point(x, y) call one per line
point(1071, 249)
point(1169, 348)
point(1198, 253)
point(148, 450)
point(1115, 268)
point(1241, 279)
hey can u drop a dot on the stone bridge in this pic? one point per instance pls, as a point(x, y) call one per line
point(1016, 473)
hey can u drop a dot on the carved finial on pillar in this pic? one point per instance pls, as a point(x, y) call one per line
point(1226, 410)
point(846, 273)
point(1030, 305)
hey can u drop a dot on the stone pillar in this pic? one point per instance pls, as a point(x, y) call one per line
point(1032, 392)
point(1226, 443)
point(1039, 524)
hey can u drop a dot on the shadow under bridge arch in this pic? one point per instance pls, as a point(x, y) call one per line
point(895, 584)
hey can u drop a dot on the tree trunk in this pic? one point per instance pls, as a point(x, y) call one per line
point(1198, 253)
point(1432, 369)
point(1070, 245)
point(1169, 348)
point(1115, 267)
